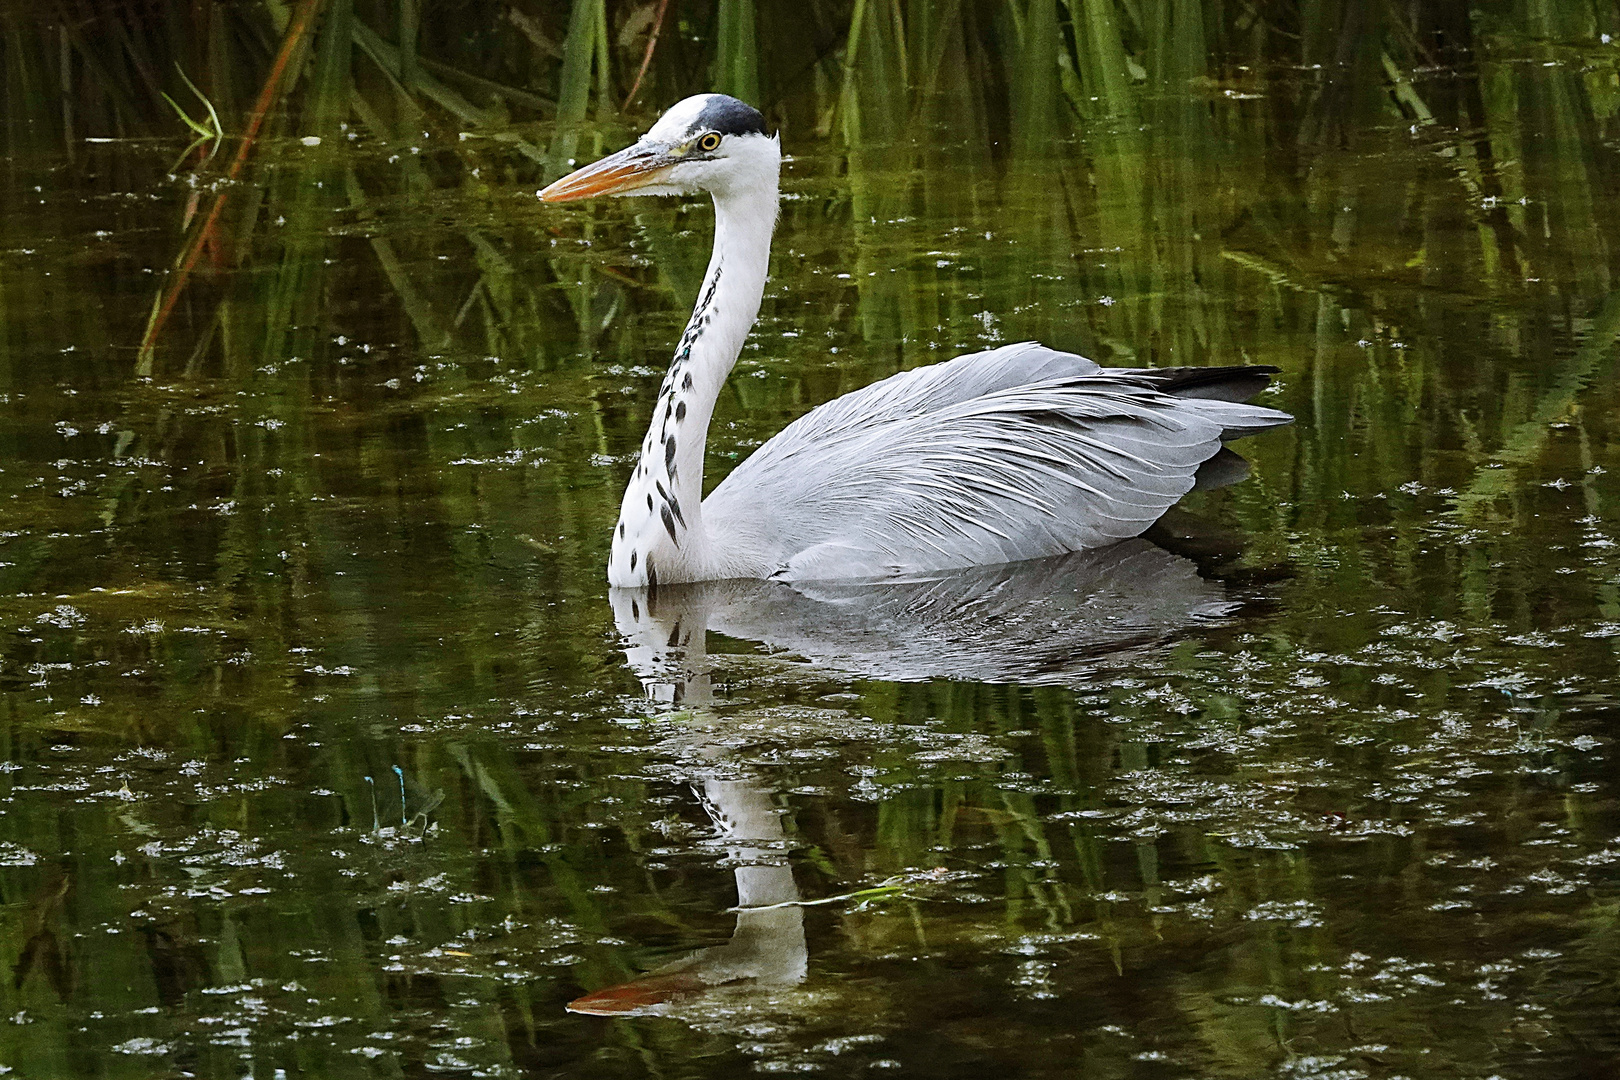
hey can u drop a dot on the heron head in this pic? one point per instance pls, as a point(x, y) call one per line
point(709, 142)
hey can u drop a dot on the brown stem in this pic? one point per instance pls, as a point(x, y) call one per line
point(646, 57)
point(297, 30)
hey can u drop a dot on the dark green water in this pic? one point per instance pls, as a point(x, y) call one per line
point(323, 755)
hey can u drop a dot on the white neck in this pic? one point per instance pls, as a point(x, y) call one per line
point(660, 535)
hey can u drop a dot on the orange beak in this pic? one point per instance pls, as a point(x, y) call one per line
point(617, 174)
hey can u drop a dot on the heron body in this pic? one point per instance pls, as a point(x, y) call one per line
point(1014, 453)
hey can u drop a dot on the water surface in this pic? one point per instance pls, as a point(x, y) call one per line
point(324, 754)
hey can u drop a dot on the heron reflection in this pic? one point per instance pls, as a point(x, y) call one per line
point(1046, 620)
point(1040, 621)
point(767, 948)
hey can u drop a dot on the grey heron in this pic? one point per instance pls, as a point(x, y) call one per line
point(1015, 453)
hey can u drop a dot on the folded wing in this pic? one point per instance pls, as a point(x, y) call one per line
point(1018, 453)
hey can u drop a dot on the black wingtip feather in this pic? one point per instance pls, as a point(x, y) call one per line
point(1217, 383)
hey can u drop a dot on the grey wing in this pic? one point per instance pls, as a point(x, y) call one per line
point(927, 389)
point(951, 467)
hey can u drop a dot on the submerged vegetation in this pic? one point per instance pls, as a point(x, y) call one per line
point(319, 751)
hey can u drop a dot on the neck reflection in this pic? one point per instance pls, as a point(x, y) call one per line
point(665, 646)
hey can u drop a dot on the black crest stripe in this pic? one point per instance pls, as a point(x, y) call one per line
point(729, 116)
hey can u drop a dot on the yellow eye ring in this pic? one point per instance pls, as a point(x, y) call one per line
point(710, 141)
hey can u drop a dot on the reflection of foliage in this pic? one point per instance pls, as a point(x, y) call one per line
point(447, 95)
point(378, 440)
point(1125, 134)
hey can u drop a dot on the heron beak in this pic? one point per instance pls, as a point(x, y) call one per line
point(633, 167)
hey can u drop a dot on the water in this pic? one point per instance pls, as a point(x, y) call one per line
point(326, 753)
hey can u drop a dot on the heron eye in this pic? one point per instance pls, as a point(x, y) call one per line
point(711, 141)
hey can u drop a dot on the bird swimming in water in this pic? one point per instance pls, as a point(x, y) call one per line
point(1015, 453)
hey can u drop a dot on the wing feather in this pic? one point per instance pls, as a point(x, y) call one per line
point(1017, 453)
